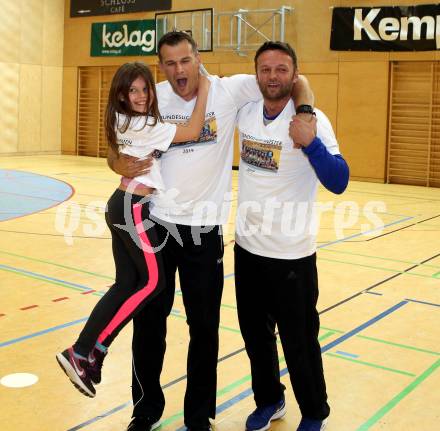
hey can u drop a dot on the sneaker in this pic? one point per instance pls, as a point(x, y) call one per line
point(312, 425)
point(260, 419)
point(76, 370)
point(95, 359)
point(142, 423)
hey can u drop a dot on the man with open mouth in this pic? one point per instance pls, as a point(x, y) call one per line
point(198, 176)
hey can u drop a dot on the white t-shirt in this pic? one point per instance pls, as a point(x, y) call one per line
point(197, 175)
point(140, 140)
point(277, 185)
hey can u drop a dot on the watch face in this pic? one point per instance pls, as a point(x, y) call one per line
point(304, 109)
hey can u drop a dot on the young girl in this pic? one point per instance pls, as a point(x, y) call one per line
point(133, 126)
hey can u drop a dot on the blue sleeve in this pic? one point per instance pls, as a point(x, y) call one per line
point(332, 170)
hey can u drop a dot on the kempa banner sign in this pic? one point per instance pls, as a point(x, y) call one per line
point(397, 28)
point(123, 38)
point(80, 8)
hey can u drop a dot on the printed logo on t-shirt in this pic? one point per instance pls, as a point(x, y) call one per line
point(261, 153)
point(208, 135)
point(124, 142)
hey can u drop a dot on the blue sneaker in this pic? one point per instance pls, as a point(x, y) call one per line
point(260, 419)
point(312, 425)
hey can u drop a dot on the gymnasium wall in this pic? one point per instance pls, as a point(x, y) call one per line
point(350, 87)
point(31, 68)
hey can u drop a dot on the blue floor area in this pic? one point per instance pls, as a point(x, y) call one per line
point(23, 193)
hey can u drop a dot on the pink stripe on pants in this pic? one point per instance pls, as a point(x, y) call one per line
point(132, 303)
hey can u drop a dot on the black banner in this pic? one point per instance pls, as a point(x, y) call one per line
point(397, 28)
point(80, 8)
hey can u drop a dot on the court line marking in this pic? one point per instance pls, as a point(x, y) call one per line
point(369, 256)
point(179, 415)
point(350, 355)
point(375, 285)
point(42, 332)
point(346, 238)
point(58, 235)
point(322, 246)
point(427, 199)
point(42, 277)
point(370, 364)
point(399, 397)
point(58, 202)
point(339, 340)
point(223, 406)
point(396, 230)
point(62, 326)
point(423, 302)
point(395, 271)
point(58, 327)
point(56, 264)
point(28, 307)
point(404, 227)
point(248, 392)
point(403, 346)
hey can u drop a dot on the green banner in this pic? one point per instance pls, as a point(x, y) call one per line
point(123, 38)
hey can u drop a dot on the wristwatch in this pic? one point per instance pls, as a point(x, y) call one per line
point(304, 109)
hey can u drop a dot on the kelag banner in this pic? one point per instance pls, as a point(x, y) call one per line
point(123, 38)
point(109, 7)
point(397, 28)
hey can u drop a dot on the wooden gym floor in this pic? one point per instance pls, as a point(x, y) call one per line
point(379, 304)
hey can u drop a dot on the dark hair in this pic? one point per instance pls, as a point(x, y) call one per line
point(173, 38)
point(118, 99)
point(276, 45)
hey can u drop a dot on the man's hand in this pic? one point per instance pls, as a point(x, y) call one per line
point(131, 167)
point(302, 130)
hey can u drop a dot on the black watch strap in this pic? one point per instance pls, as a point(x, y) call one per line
point(304, 109)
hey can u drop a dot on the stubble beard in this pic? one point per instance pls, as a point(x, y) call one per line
point(282, 93)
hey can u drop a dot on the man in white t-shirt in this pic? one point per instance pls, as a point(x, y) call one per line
point(275, 251)
point(189, 214)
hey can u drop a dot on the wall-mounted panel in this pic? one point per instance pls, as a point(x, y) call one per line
point(53, 33)
point(69, 110)
point(31, 31)
point(362, 117)
point(325, 88)
point(10, 79)
point(51, 109)
point(10, 32)
point(29, 106)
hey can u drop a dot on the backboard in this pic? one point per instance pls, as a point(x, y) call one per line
point(197, 22)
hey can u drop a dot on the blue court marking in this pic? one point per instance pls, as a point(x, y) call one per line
point(360, 328)
point(346, 238)
point(58, 327)
point(25, 193)
point(105, 414)
point(246, 393)
point(44, 277)
point(351, 237)
point(349, 355)
point(44, 331)
point(422, 302)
